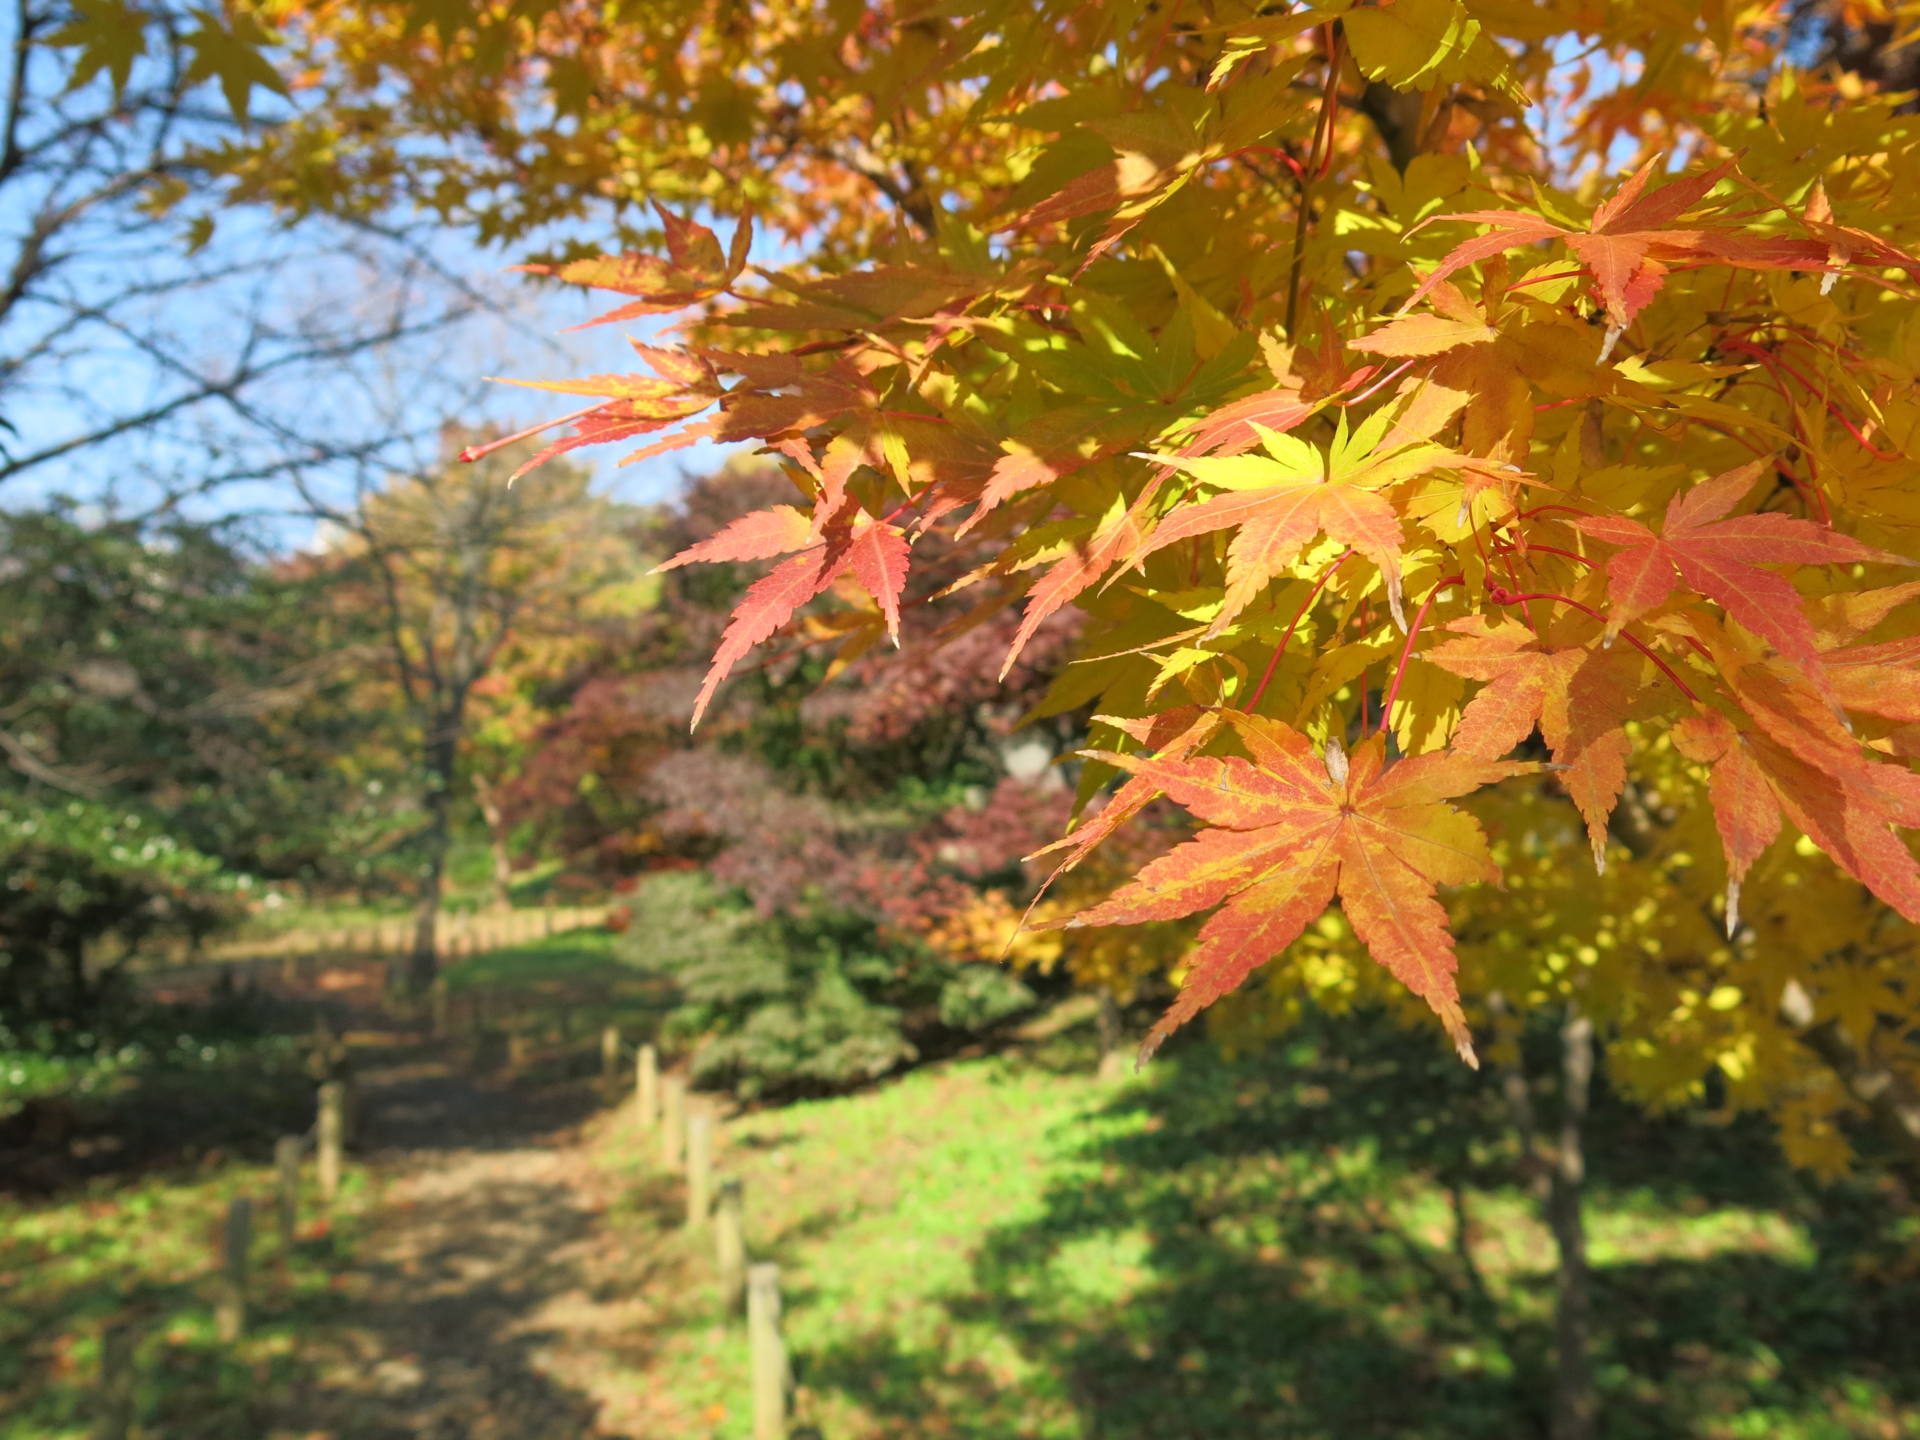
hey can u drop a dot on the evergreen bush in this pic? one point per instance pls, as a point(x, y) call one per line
point(802, 1002)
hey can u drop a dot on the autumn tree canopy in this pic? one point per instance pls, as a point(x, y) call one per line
point(1478, 440)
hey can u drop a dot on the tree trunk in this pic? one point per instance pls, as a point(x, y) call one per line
point(489, 801)
point(1575, 1405)
point(423, 964)
point(79, 996)
point(1557, 1178)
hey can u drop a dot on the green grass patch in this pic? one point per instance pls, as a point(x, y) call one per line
point(142, 1252)
point(560, 989)
point(1321, 1240)
point(583, 959)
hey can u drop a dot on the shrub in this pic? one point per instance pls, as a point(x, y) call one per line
point(802, 1003)
point(75, 874)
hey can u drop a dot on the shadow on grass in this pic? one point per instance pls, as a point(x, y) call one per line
point(1324, 1240)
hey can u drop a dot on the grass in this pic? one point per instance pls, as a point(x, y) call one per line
point(142, 1250)
point(1322, 1240)
point(559, 985)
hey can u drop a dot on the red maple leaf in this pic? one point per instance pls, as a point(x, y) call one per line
point(1290, 831)
point(874, 552)
point(1719, 557)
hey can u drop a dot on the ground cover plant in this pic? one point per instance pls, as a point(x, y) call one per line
point(1329, 1236)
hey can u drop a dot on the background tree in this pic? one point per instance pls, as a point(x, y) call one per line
point(456, 571)
point(169, 668)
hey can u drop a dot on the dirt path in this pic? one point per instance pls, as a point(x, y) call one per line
point(490, 1295)
point(492, 1299)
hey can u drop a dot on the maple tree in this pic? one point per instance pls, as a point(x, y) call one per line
point(1289, 428)
point(1284, 350)
point(1316, 440)
point(1365, 386)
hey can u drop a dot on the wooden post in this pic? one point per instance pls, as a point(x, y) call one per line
point(610, 1056)
point(235, 1241)
point(546, 918)
point(646, 1085)
point(116, 1384)
point(518, 1048)
point(330, 1138)
point(286, 1165)
point(673, 1121)
point(730, 1244)
point(699, 1166)
point(768, 1352)
point(1113, 1058)
point(439, 999)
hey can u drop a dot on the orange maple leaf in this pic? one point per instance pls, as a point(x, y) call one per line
point(1719, 557)
point(1756, 780)
point(1631, 243)
point(1578, 694)
point(759, 535)
point(1290, 831)
point(696, 269)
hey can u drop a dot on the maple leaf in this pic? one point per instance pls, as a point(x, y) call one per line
point(873, 552)
point(1756, 780)
point(110, 35)
point(1719, 557)
point(1280, 501)
point(1630, 243)
point(1845, 242)
point(695, 270)
point(1289, 832)
point(1235, 428)
point(231, 55)
point(758, 535)
point(1076, 572)
point(1170, 735)
point(1578, 694)
point(599, 425)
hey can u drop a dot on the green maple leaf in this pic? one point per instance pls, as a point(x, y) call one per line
point(233, 57)
point(109, 34)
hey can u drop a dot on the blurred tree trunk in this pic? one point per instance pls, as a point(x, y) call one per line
point(1576, 1407)
point(1557, 1177)
point(423, 965)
